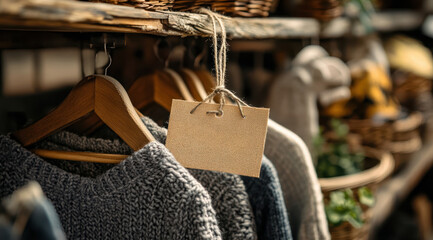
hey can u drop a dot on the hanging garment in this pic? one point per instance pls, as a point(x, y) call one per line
point(264, 194)
point(299, 183)
point(227, 191)
point(267, 200)
point(294, 94)
point(293, 104)
point(6, 230)
point(27, 214)
point(230, 201)
point(149, 195)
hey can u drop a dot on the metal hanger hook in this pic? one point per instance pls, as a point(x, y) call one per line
point(199, 57)
point(108, 55)
point(156, 50)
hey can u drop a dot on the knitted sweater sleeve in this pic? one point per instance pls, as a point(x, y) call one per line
point(235, 215)
point(201, 219)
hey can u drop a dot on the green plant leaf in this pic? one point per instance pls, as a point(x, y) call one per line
point(335, 158)
point(333, 216)
point(356, 222)
point(343, 207)
point(337, 197)
point(366, 196)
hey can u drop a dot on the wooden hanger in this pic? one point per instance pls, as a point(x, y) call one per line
point(161, 87)
point(207, 80)
point(194, 84)
point(197, 55)
point(103, 96)
point(180, 84)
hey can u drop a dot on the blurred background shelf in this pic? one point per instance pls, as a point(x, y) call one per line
point(398, 187)
point(397, 20)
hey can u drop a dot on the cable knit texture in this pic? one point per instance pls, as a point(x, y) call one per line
point(268, 205)
point(149, 195)
point(227, 191)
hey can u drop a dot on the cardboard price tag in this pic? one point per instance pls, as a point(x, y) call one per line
point(228, 143)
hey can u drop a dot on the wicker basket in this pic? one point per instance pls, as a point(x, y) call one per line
point(403, 150)
point(346, 231)
point(235, 8)
point(379, 166)
point(152, 5)
point(401, 138)
point(411, 91)
point(323, 10)
point(378, 136)
point(406, 138)
point(408, 86)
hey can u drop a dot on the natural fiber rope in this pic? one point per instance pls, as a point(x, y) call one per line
point(220, 59)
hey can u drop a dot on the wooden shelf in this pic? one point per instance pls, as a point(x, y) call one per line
point(397, 21)
point(77, 16)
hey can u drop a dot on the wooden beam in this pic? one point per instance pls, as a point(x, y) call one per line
point(77, 16)
point(86, 16)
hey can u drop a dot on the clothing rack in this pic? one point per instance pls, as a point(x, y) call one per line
point(19, 16)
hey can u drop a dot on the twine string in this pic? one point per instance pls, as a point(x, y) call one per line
point(220, 59)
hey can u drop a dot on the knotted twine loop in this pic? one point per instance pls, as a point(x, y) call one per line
point(220, 57)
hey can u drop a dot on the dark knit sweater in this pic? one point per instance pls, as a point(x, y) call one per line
point(147, 196)
point(227, 191)
point(264, 194)
point(267, 200)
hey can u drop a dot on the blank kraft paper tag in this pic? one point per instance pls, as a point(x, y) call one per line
point(228, 143)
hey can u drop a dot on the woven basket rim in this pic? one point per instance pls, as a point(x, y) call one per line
point(413, 121)
point(408, 146)
point(365, 123)
point(370, 176)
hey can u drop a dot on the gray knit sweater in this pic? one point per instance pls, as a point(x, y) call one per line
point(147, 196)
point(267, 200)
point(227, 191)
point(298, 179)
point(264, 194)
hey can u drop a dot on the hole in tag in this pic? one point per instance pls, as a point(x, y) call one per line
point(219, 114)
